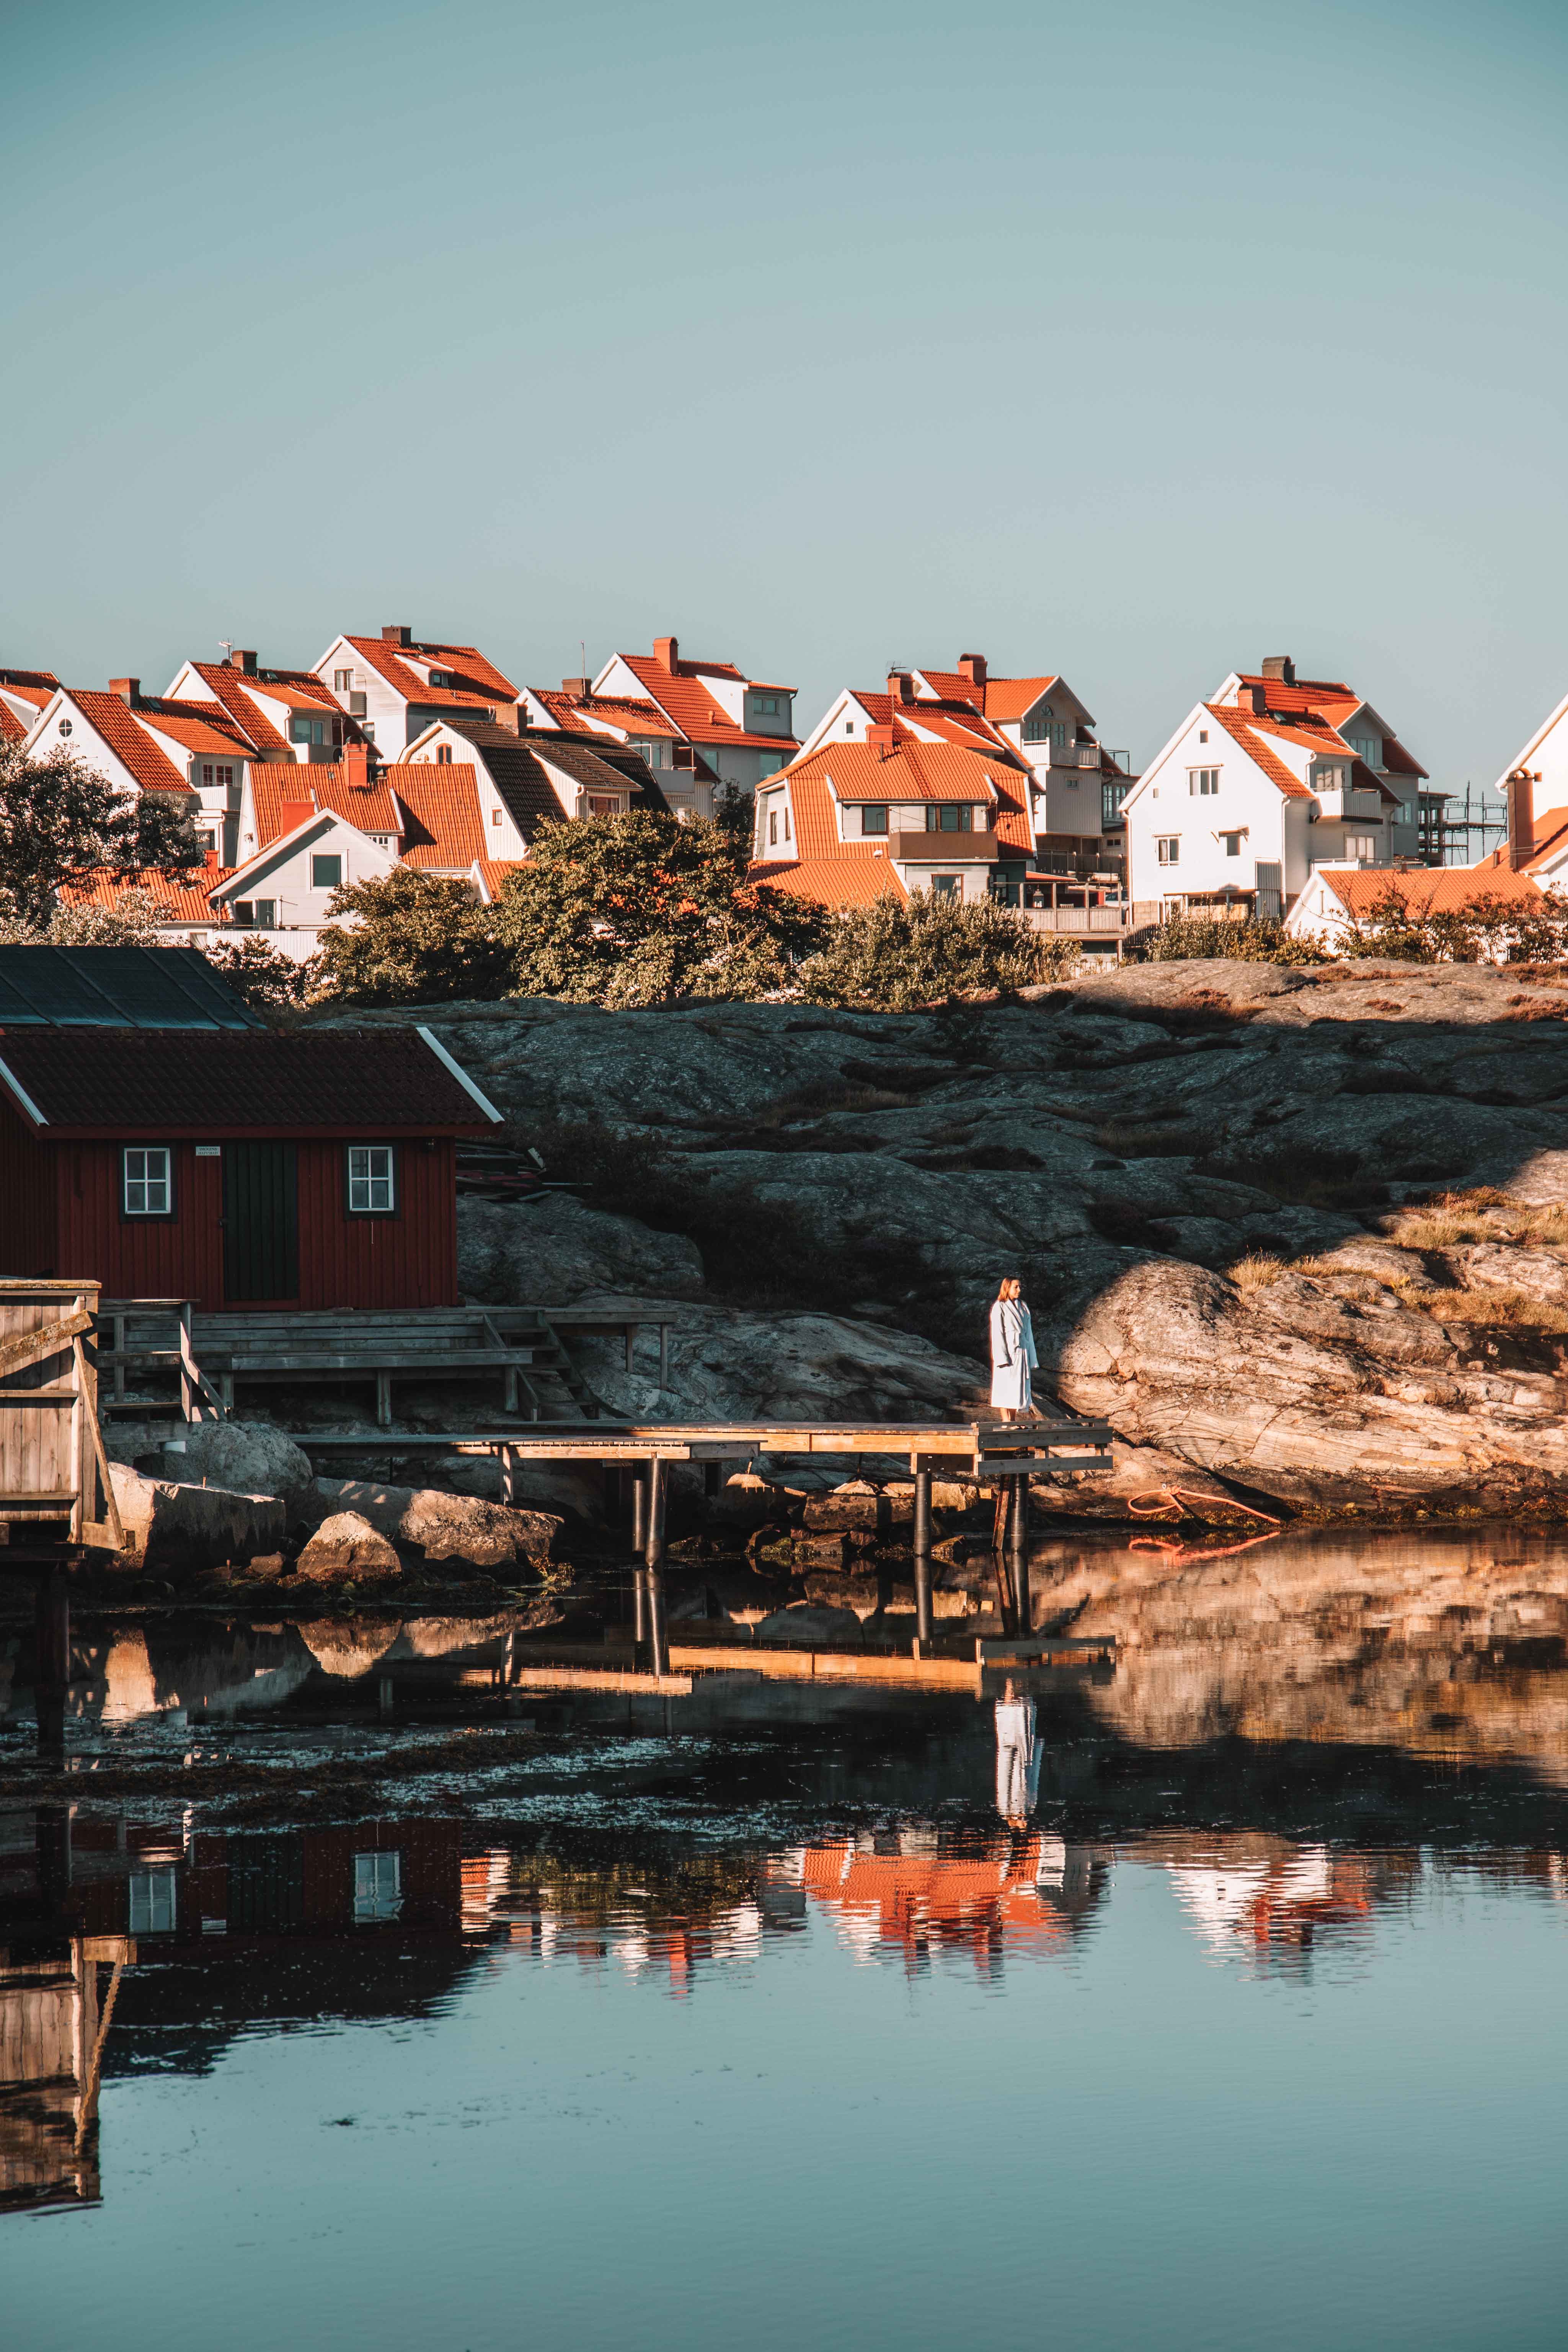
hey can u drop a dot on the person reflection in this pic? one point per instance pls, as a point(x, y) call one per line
point(1018, 1758)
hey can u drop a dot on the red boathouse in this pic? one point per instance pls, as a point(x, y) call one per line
point(233, 1167)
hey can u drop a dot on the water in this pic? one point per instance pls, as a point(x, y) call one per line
point(460, 2018)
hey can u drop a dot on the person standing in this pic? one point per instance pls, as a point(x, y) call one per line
point(1017, 1756)
point(1012, 1357)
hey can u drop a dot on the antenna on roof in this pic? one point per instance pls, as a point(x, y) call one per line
point(225, 647)
point(583, 649)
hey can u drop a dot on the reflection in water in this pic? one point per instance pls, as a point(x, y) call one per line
point(1206, 1926)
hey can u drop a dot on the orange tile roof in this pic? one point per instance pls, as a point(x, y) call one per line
point(1549, 837)
point(914, 771)
point(1334, 702)
point(1313, 739)
point(476, 681)
point(1249, 735)
point(490, 873)
point(680, 694)
point(571, 712)
point(11, 727)
point(228, 687)
point(850, 879)
point(179, 898)
point(444, 827)
point(1430, 890)
point(115, 722)
point(202, 727)
point(280, 786)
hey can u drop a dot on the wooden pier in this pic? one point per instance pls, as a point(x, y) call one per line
point(987, 1451)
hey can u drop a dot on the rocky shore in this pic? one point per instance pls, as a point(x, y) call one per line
point(1301, 1235)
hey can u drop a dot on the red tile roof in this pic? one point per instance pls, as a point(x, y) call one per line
point(1250, 735)
point(474, 680)
point(1432, 890)
point(490, 873)
point(181, 898)
point(572, 713)
point(227, 688)
point(11, 727)
point(115, 722)
point(850, 879)
point(444, 826)
point(1334, 703)
point(205, 728)
point(90, 1081)
point(913, 771)
point(681, 695)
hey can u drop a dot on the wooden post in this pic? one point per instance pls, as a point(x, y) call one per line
point(639, 1511)
point(119, 1321)
point(1021, 1552)
point(507, 1477)
point(658, 1639)
point(639, 1608)
point(1006, 1599)
point(384, 1400)
point(922, 1560)
point(190, 1395)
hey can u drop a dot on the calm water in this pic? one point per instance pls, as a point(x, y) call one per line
point(459, 2019)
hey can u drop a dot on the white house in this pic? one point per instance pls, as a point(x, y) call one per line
point(1077, 786)
point(284, 892)
point(23, 694)
point(698, 724)
point(1328, 703)
point(392, 686)
point(1240, 805)
point(531, 777)
point(287, 714)
point(145, 744)
point(1336, 897)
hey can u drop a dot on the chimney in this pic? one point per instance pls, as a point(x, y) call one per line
point(293, 813)
point(1253, 699)
point(129, 689)
point(396, 633)
point(1281, 666)
point(512, 716)
point(581, 686)
point(972, 667)
point(883, 741)
point(1521, 791)
point(900, 686)
point(356, 764)
point(242, 657)
point(667, 653)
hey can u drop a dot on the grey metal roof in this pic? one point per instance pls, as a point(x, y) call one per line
point(116, 988)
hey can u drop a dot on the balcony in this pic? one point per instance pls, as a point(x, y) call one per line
point(948, 849)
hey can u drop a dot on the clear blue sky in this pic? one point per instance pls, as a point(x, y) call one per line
point(1135, 340)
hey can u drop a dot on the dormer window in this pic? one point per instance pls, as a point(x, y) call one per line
point(874, 820)
point(305, 729)
point(441, 677)
point(768, 706)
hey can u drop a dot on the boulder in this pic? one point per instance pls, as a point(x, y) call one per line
point(444, 1527)
point(847, 1509)
point(806, 1621)
point(349, 1646)
point(250, 1457)
point(171, 1526)
point(346, 1548)
point(555, 1250)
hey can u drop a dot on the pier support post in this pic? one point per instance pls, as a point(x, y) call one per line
point(657, 1638)
point(639, 1610)
point(51, 1658)
point(1020, 1532)
point(639, 1510)
point(922, 1561)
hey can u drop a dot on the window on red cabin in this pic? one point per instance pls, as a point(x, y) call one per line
point(372, 1182)
point(147, 1180)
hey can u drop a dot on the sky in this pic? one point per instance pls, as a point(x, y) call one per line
point(1133, 342)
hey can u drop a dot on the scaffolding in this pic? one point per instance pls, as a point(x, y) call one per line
point(1450, 838)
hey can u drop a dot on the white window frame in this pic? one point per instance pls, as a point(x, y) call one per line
point(147, 1170)
point(378, 1887)
point(320, 857)
point(372, 1179)
point(154, 1901)
point(1168, 848)
point(1202, 782)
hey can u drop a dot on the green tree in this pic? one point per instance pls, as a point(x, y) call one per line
point(1487, 928)
point(898, 953)
point(262, 975)
point(60, 822)
point(641, 910)
point(1182, 937)
point(418, 939)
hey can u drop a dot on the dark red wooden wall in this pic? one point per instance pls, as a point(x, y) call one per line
point(60, 1211)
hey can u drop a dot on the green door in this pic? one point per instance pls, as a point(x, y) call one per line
point(260, 1221)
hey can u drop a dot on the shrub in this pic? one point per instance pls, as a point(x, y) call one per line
point(262, 976)
point(641, 910)
point(418, 940)
point(1487, 929)
point(897, 954)
point(1200, 937)
point(131, 922)
point(62, 822)
point(1256, 1273)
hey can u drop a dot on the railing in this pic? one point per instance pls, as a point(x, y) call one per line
point(1121, 916)
point(943, 848)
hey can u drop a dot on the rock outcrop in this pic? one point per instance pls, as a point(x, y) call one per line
point(177, 1528)
point(444, 1527)
point(1127, 1142)
point(347, 1549)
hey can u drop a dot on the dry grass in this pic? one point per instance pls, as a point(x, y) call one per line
point(1256, 1273)
point(1513, 1309)
point(1453, 1217)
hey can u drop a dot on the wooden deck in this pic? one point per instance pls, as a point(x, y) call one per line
point(985, 1448)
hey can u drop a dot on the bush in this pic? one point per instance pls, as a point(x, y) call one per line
point(642, 910)
point(1185, 938)
point(1488, 929)
point(898, 954)
point(419, 939)
point(131, 922)
point(262, 976)
point(62, 822)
